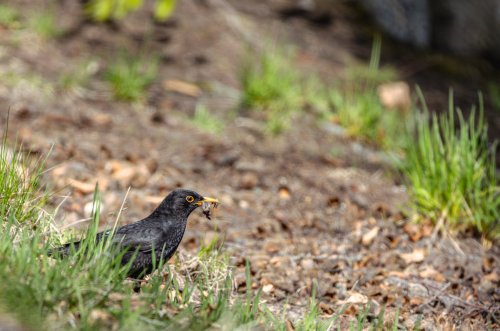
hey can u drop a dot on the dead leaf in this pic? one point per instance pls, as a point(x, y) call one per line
point(413, 230)
point(59, 171)
point(326, 308)
point(307, 264)
point(127, 174)
point(399, 274)
point(284, 193)
point(431, 273)
point(99, 315)
point(355, 298)
point(268, 288)
point(351, 310)
point(488, 263)
point(265, 281)
point(271, 247)
point(83, 187)
point(492, 277)
point(418, 255)
point(102, 119)
point(368, 237)
point(181, 87)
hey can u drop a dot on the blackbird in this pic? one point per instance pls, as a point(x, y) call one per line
point(160, 233)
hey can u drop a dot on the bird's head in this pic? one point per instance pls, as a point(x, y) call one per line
point(185, 201)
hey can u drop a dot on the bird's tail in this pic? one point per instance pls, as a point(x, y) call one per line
point(64, 250)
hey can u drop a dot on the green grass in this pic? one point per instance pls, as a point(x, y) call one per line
point(206, 121)
point(129, 78)
point(104, 10)
point(27, 80)
point(78, 77)
point(43, 23)
point(452, 172)
point(364, 118)
point(21, 195)
point(372, 74)
point(357, 108)
point(273, 87)
point(9, 17)
point(494, 95)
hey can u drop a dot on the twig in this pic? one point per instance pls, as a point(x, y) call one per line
point(455, 244)
point(438, 227)
point(120, 211)
point(435, 296)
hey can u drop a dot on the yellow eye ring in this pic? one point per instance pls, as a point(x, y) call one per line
point(189, 199)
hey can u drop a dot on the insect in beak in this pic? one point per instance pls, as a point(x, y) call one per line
point(207, 204)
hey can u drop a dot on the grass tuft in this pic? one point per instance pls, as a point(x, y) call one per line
point(9, 17)
point(206, 121)
point(357, 106)
point(44, 24)
point(364, 117)
point(21, 195)
point(452, 172)
point(273, 87)
point(79, 77)
point(129, 78)
point(104, 10)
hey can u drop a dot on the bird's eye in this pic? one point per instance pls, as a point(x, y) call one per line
point(189, 198)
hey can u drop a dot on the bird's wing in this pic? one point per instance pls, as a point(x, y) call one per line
point(143, 239)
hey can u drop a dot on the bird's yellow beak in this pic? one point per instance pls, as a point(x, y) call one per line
point(209, 200)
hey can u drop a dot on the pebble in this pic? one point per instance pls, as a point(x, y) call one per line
point(307, 264)
point(244, 204)
point(248, 181)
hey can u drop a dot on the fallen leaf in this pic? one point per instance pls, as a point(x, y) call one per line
point(368, 237)
point(268, 288)
point(492, 277)
point(181, 87)
point(83, 187)
point(487, 264)
point(284, 193)
point(413, 230)
point(271, 247)
point(399, 274)
point(431, 273)
point(102, 119)
point(418, 255)
point(127, 174)
point(99, 315)
point(355, 298)
point(326, 308)
point(307, 264)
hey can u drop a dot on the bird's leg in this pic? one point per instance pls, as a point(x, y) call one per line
point(137, 286)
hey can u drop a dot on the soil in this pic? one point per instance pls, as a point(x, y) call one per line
point(297, 212)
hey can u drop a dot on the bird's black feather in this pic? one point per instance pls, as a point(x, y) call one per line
point(157, 235)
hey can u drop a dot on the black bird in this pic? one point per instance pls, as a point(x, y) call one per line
point(161, 232)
